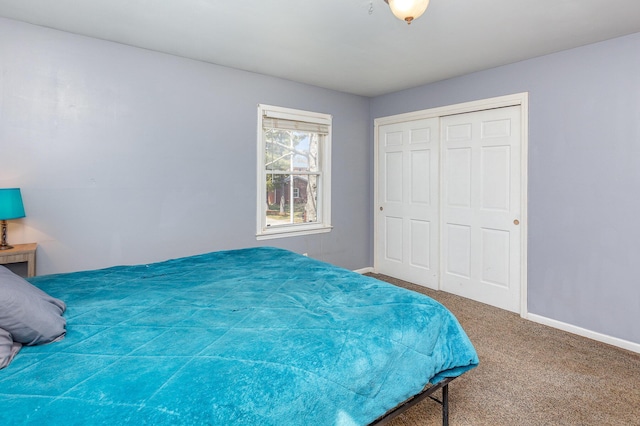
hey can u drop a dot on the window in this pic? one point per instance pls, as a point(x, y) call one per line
point(294, 172)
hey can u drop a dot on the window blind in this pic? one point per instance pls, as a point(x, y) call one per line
point(301, 126)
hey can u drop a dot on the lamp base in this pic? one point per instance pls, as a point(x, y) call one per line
point(3, 243)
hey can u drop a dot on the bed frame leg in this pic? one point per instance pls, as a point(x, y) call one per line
point(445, 405)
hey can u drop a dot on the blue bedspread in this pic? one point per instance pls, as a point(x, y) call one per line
point(257, 336)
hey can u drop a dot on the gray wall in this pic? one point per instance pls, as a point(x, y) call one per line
point(584, 176)
point(126, 155)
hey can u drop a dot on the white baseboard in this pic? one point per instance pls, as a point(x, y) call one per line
point(364, 270)
point(614, 341)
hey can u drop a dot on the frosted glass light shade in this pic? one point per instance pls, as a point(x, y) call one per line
point(408, 10)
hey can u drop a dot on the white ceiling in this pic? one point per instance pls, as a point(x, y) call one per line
point(355, 46)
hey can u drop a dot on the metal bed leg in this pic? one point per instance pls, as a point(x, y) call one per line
point(445, 405)
point(426, 393)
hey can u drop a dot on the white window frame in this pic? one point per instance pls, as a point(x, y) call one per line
point(323, 224)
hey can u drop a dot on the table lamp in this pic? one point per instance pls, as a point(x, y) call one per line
point(10, 208)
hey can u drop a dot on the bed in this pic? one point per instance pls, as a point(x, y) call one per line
point(252, 336)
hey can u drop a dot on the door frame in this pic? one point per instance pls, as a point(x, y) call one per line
point(517, 99)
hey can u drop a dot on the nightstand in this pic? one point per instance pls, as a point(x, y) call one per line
point(21, 253)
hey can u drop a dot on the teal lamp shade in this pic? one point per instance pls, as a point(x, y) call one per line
point(10, 208)
point(11, 204)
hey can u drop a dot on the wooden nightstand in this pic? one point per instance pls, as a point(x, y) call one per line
point(21, 253)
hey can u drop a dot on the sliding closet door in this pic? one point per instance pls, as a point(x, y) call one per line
point(407, 235)
point(481, 206)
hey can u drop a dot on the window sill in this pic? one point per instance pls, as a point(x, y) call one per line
point(291, 232)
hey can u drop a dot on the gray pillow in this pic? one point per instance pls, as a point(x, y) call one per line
point(28, 313)
point(8, 348)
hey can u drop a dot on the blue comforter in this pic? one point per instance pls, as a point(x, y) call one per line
point(257, 336)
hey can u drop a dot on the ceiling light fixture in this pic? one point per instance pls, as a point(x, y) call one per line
point(408, 10)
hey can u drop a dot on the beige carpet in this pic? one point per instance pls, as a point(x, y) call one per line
point(530, 374)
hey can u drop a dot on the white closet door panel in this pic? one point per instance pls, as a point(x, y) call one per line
point(393, 183)
point(481, 201)
point(458, 250)
point(495, 178)
point(420, 231)
point(393, 233)
point(421, 176)
point(408, 196)
point(457, 182)
point(495, 257)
